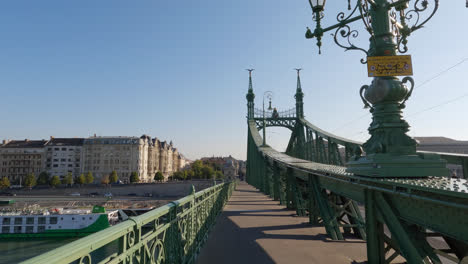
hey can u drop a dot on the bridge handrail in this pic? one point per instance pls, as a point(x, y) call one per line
point(451, 158)
point(337, 139)
point(258, 113)
point(173, 231)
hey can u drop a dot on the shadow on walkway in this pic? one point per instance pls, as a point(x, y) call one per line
point(255, 229)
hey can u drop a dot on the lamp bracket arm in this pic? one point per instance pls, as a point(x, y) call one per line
point(340, 24)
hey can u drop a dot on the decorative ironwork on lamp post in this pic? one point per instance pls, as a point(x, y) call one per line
point(269, 96)
point(390, 152)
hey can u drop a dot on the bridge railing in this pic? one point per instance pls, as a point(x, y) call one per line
point(289, 113)
point(321, 146)
point(403, 216)
point(173, 233)
point(312, 143)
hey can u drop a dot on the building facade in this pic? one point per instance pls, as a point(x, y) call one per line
point(125, 155)
point(18, 158)
point(443, 144)
point(98, 155)
point(63, 156)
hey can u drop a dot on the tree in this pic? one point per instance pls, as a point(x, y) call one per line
point(197, 169)
point(89, 178)
point(81, 179)
point(68, 179)
point(113, 177)
point(54, 181)
point(30, 180)
point(219, 175)
point(4, 183)
point(158, 176)
point(105, 179)
point(134, 177)
point(43, 178)
point(179, 175)
point(207, 172)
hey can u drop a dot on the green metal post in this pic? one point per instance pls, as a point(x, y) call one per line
point(276, 184)
point(289, 191)
point(408, 249)
point(374, 231)
point(314, 212)
point(327, 214)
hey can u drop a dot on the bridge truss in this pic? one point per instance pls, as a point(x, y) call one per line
point(421, 219)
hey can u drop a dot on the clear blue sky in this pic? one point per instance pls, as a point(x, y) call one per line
point(175, 70)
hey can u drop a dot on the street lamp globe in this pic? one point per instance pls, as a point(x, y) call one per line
point(317, 5)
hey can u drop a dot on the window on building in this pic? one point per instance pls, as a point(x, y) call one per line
point(18, 220)
point(63, 160)
point(55, 165)
point(64, 148)
point(40, 229)
point(30, 220)
point(6, 221)
point(56, 148)
point(5, 229)
point(29, 229)
point(17, 229)
point(70, 165)
point(53, 220)
point(41, 220)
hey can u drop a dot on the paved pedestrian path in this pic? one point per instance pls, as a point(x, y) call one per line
point(255, 229)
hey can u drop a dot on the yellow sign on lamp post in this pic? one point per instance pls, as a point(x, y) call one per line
point(389, 66)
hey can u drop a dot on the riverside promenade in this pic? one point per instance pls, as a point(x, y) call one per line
point(255, 229)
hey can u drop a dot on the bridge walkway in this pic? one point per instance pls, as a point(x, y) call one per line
point(255, 229)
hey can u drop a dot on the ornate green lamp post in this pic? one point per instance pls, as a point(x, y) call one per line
point(389, 152)
point(269, 96)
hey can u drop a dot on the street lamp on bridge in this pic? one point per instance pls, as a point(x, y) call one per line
point(269, 96)
point(390, 152)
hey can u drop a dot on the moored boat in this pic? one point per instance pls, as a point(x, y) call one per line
point(56, 222)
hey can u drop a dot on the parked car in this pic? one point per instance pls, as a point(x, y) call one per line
point(132, 194)
point(75, 194)
point(108, 194)
point(93, 194)
point(148, 195)
point(7, 194)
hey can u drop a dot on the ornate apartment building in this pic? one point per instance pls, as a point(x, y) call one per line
point(18, 158)
point(125, 155)
point(98, 155)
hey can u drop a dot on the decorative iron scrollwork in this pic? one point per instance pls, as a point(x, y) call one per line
point(404, 80)
point(345, 32)
point(413, 17)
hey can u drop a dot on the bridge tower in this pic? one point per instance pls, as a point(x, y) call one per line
point(250, 97)
point(299, 97)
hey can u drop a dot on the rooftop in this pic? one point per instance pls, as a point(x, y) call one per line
point(25, 144)
point(439, 141)
point(66, 142)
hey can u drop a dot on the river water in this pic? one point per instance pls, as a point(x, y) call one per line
point(16, 250)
